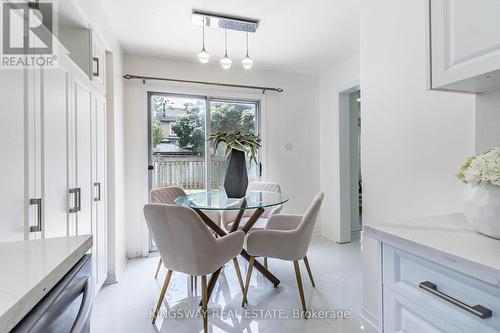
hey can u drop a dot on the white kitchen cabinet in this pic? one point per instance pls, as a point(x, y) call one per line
point(99, 169)
point(98, 62)
point(33, 159)
point(87, 51)
point(53, 175)
point(402, 315)
point(464, 45)
point(13, 173)
point(89, 183)
point(55, 114)
point(82, 187)
point(437, 274)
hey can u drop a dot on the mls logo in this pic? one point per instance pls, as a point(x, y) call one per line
point(27, 34)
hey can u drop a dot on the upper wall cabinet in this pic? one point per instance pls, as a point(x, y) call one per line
point(98, 61)
point(85, 47)
point(464, 45)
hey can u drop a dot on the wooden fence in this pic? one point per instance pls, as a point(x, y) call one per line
point(187, 172)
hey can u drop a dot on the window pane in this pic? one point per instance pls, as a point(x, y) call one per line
point(178, 141)
point(225, 116)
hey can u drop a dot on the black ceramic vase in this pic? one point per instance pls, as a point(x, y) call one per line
point(236, 178)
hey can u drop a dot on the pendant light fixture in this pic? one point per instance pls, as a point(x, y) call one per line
point(226, 22)
point(203, 55)
point(225, 61)
point(247, 62)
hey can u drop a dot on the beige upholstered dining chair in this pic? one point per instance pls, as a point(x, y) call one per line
point(229, 216)
point(187, 245)
point(286, 237)
point(167, 195)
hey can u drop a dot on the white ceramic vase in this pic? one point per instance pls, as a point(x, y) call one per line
point(482, 208)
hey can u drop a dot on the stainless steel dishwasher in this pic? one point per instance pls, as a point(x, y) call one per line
point(67, 307)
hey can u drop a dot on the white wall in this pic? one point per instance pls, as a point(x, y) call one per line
point(487, 121)
point(413, 140)
point(115, 122)
point(291, 117)
point(331, 82)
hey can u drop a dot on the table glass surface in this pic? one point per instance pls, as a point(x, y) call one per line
point(218, 200)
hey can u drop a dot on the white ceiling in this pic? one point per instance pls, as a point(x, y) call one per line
point(300, 36)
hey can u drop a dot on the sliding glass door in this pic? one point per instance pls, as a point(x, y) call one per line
point(180, 154)
point(177, 141)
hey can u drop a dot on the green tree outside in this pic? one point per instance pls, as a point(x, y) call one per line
point(189, 127)
point(157, 133)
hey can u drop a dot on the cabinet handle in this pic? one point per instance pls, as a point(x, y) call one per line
point(74, 191)
point(96, 60)
point(38, 226)
point(77, 201)
point(98, 198)
point(477, 310)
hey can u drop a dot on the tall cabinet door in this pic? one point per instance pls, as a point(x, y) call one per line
point(12, 171)
point(34, 204)
point(99, 180)
point(82, 95)
point(54, 114)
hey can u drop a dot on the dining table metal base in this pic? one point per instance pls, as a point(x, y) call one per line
point(246, 228)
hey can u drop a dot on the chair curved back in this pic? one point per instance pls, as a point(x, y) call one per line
point(305, 228)
point(266, 187)
point(185, 243)
point(166, 195)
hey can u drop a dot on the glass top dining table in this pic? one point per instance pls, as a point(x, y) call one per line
point(218, 200)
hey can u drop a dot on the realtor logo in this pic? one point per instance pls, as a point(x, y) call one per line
point(27, 34)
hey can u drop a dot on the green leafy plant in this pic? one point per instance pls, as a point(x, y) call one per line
point(248, 143)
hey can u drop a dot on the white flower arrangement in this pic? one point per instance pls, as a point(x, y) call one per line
point(483, 168)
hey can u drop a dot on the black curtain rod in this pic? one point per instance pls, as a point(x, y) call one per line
point(144, 78)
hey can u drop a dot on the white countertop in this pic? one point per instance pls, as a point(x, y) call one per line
point(30, 269)
point(447, 239)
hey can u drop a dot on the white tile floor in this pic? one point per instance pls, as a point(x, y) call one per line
point(126, 306)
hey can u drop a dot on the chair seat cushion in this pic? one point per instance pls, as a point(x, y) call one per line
point(260, 224)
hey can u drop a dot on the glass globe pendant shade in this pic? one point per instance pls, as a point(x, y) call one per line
point(203, 56)
point(247, 62)
point(226, 62)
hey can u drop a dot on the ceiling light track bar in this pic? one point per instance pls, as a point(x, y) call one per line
point(144, 78)
point(224, 21)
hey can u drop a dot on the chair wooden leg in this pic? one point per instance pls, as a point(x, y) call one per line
point(238, 273)
point(158, 268)
point(162, 294)
point(265, 262)
point(299, 284)
point(204, 301)
point(247, 285)
point(309, 271)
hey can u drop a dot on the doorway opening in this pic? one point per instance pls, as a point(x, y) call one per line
point(351, 188)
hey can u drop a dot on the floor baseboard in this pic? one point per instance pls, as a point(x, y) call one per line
point(114, 278)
